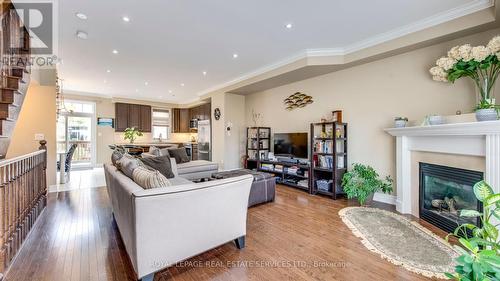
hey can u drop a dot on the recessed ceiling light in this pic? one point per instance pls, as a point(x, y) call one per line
point(182, 85)
point(105, 81)
point(82, 35)
point(108, 71)
point(81, 16)
point(169, 91)
point(137, 90)
point(235, 56)
point(205, 73)
point(146, 83)
point(289, 25)
point(115, 52)
point(125, 19)
point(161, 97)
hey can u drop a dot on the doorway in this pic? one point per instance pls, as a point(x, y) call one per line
point(76, 125)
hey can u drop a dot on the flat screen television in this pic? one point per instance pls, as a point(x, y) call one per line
point(291, 145)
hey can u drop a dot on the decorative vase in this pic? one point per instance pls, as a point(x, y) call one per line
point(436, 120)
point(488, 114)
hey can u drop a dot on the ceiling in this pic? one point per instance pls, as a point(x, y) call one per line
point(170, 43)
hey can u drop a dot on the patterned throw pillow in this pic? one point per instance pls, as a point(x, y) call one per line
point(127, 164)
point(179, 154)
point(148, 179)
point(154, 150)
point(159, 163)
point(116, 156)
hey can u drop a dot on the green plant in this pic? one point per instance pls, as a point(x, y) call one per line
point(362, 181)
point(131, 134)
point(479, 259)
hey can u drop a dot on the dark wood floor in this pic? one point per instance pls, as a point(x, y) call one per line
point(298, 237)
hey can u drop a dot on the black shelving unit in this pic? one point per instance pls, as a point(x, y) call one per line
point(328, 156)
point(283, 174)
point(258, 140)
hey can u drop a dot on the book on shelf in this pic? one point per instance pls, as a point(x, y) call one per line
point(324, 146)
point(278, 168)
point(325, 162)
point(269, 167)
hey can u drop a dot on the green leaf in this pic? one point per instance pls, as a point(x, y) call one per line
point(482, 190)
point(491, 230)
point(492, 199)
point(470, 213)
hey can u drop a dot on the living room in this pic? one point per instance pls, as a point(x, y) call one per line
point(325, 153)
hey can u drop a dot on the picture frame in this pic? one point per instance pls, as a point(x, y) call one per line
point(263, 155)
point(105, 121)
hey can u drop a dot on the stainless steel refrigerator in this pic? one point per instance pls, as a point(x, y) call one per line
point(204, 140)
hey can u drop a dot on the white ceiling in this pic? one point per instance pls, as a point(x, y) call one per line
point(169, 42)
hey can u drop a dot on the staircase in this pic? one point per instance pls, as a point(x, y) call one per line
point(14, 79)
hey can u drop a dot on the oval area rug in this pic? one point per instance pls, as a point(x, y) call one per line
point(401, 241)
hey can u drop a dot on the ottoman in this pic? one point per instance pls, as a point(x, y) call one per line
point(263, 187)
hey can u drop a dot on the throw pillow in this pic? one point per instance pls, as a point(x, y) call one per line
point(148, 179)
point(160, 163)
point(127, 164)
point(179, 154)
point(117, 155)
point(154, 150)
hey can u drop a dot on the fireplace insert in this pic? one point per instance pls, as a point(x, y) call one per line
point(444, 191)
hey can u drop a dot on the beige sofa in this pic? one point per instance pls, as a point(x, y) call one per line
point(163, 226)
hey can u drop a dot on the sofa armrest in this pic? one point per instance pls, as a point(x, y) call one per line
point(173, 165)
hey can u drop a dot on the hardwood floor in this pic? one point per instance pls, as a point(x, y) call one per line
point(298, 237)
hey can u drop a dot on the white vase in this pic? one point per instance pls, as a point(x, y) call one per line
point(488, 114)
point(436, 120)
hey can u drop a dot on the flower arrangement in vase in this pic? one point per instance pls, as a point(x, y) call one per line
point(481, 64)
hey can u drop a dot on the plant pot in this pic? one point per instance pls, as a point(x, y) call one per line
point(436, 120)
point(400, 123)
point(369, 200)
point(488, 114)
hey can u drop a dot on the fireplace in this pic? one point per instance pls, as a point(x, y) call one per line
point(444, 191)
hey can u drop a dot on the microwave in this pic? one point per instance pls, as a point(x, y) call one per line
point(193, 124)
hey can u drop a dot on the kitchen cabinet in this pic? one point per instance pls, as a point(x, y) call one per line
point(132, 115)
point(182, 116)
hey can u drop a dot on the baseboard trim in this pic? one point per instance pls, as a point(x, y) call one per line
point(385, 198)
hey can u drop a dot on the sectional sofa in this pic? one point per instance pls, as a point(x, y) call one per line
point(163, 226)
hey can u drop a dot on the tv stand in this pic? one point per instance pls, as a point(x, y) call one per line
point(289, 173)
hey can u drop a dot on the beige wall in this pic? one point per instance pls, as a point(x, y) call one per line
point(474, 163)
point(218, 129)
point(371, 95)
point(235, 141)
point(37, 116)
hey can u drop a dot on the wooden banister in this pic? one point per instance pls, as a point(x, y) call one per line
point(23, 196)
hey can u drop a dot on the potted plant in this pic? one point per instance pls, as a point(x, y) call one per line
point(363, 181)
point(481, 64)
point(479, 259)
point(400, 122)
point(131, 134)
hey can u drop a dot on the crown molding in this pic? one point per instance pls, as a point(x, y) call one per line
point(440, 18)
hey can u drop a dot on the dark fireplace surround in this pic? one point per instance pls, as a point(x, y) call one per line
point(444, 191)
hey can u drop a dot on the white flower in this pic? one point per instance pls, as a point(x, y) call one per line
point(437, 71)
point(440, 78)
point(498, 56)
point(494, 44)
point(480, 53)
point(454, 53)
point(465, 52)
point(446, 63)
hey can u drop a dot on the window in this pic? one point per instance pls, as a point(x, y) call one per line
point(161, 123)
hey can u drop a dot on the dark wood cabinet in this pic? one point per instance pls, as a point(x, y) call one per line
point(132, 115)
point(182, 116)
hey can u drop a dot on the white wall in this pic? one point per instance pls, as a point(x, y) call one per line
point(371, 95)
point(235, 141)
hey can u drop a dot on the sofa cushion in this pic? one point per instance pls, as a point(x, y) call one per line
point(127, 164)
point(154, 150)
point(179, 181)
point(148, 179)
point(179, 154)
point(196, 166)
point(160, 163)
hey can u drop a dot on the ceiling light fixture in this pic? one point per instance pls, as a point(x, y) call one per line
point(169, 91)
point(235, 56)
point(82, 35)
point(146, 83)
point(204, 73)
point(105, 81)
point(289, 25)
point(115, 52)
point(81, 16)
point(182, 85)
point(137, 90)
point(108, 71)
point(125, 19)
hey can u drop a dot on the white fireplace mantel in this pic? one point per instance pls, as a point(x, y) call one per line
point(473, 138)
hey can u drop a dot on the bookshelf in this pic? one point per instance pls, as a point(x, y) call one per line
point(328, 156)
point(258, 142)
